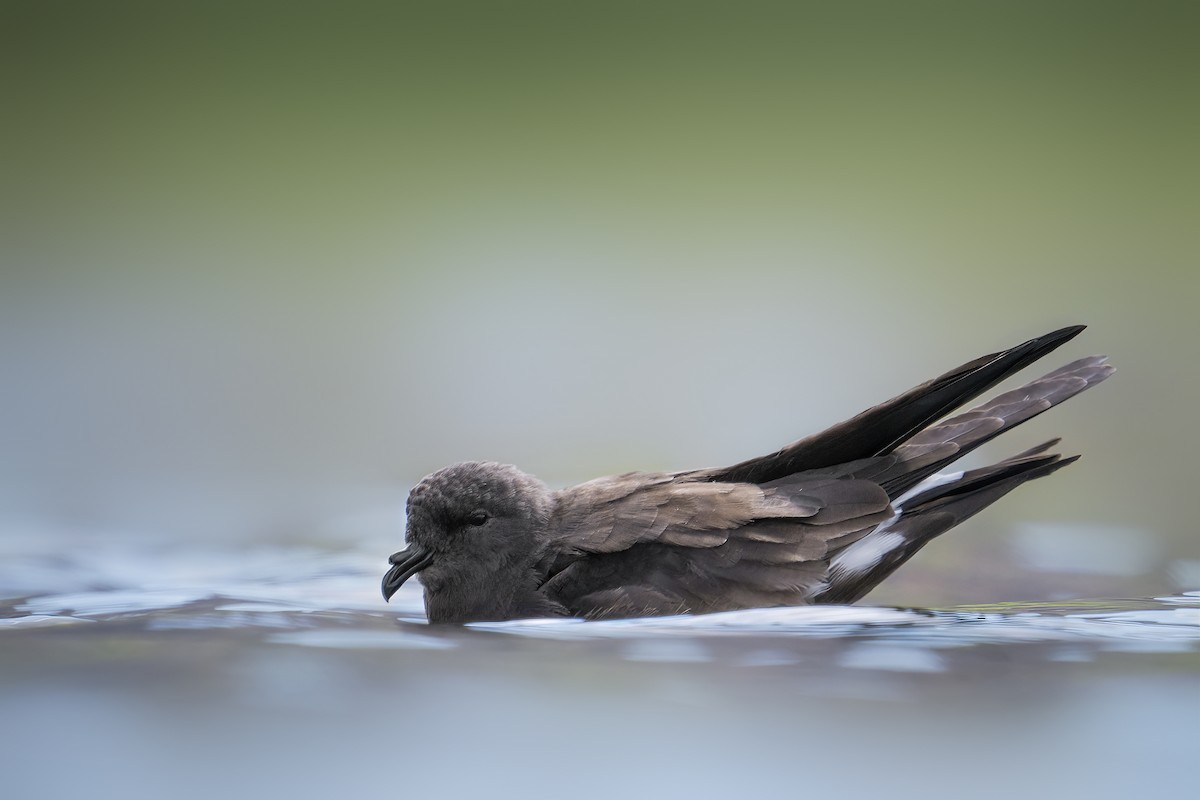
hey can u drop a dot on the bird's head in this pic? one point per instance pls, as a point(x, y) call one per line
point(473, 538)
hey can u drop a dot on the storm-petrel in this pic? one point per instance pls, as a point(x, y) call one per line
point(823, 520)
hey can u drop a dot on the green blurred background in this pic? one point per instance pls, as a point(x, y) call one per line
point(264, 265)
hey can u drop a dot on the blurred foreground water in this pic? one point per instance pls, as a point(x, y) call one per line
point(277, 671)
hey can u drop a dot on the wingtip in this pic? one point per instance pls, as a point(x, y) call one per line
point(1065, 334)
point(1026, 353)
point(1066, 461)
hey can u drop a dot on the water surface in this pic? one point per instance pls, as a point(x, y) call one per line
point(130, 672)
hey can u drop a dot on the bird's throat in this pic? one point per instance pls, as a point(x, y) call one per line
point(511, 594)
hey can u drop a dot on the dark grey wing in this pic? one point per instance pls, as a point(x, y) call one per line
point(878, 430)
point(940, 445)
point(640, 544)
point(773, 531)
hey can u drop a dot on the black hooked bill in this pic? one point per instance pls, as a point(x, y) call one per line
point(405, 564)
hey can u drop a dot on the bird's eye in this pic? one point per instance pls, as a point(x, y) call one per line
point(477, 518)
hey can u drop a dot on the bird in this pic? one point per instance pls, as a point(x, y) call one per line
point(822, 520)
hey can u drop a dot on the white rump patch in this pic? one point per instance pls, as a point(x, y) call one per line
point(867, 552)
point(933, 481)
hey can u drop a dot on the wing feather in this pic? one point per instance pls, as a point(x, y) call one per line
point(637, 541)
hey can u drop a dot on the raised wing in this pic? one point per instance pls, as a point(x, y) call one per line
point(757, 534)
point(939, 445)
point(879, 430)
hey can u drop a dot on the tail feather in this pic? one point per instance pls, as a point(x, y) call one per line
point(927, 514)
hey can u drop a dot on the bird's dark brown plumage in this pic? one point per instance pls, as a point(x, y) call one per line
point(822, 520)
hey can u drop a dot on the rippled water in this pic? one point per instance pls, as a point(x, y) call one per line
point(140, 672)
